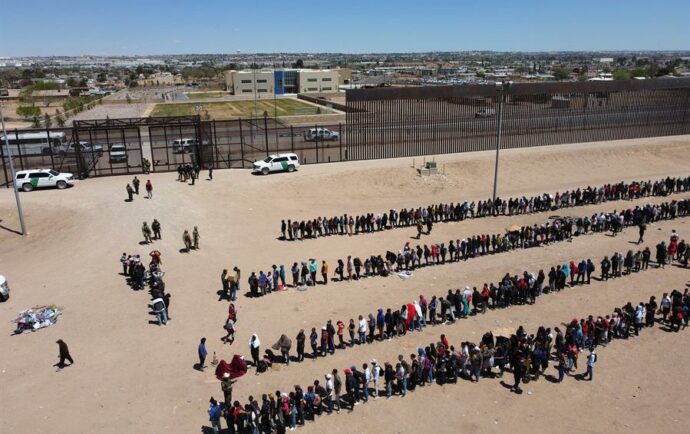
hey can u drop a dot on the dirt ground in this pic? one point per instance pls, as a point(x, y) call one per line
point(133, 376)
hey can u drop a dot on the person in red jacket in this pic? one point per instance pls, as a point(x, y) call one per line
point(149, 189)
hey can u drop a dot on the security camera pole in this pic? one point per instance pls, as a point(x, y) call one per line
point(14, 184)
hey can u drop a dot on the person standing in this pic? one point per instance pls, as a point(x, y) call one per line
point(202, 354)
point(226, 387)
point(224, 283)
point(591, 361)
point(124, 261)
point(301, 338)
point(236, 285)
point(156, 227)
point(643, 228)
point(254, 348)
point(195, 235)
point(187, 240)
point(146, 232)
point(149, 189)
point(166, 300)
point(210, 172)
point(64, 354)
point(135, 183)
point(214, 415)
point(130, 193)
point(312, 271)
point(324, 272)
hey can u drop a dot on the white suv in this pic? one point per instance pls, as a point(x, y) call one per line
point(27, 180)
point(320, 134)
point(276, 163)
point(118, 153)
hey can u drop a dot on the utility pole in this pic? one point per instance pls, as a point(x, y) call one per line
point(503, 87)
point(14, 184)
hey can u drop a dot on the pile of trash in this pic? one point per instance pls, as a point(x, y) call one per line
point(37, 318)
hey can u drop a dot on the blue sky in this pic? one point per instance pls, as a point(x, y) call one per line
point(74, 27)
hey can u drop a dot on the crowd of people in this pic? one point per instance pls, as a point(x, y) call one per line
point(409, 258)
point(139, 276)
point(189, 172)
point(388, 323)
point(425, 216)
point(526, 357)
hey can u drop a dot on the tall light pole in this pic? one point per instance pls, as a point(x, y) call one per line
point(502, 87)
point(14, 184)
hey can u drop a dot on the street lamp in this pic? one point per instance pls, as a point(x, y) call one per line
point(502, 87)
point(14, 176)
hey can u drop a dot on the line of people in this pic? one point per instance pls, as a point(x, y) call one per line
point(459, 304)
point(409, 258)
point(138, 277)
point(526, 356)
point(438, 213)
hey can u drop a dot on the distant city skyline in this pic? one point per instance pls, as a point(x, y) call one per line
point(157, 27)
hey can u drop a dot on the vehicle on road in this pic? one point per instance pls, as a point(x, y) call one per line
point(320, 134)
point(27, 180)
point(277, 163)
point(84, 148)
point(33, 143)
point(485, 113)
point(118, 153)
point(184, 146)
point(4, 289)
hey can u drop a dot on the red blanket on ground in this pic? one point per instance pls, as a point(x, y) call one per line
point(236, 368)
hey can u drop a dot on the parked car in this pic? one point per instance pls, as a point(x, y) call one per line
point(4, 289)
point(118, 153)
point(84, 148)
point(27, 180)
point(183, 146)
point(277, 163)
point(320, 134)
point(485, 113)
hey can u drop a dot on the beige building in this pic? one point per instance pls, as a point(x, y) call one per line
point(318, 81)
point(286, 81)
point(246, 82)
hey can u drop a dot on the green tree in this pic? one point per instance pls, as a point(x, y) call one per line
point(298, 64)
point(36, 122)
point(46, 120)
point(28, 111)
point(638, 72)
point(561, 74)
point(60, 121)
point(621, 74)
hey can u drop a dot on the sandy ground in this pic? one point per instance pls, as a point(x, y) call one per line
point(131, 376)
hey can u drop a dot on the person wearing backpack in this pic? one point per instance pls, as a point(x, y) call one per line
point(591, 361)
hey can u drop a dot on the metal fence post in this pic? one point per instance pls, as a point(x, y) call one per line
point(50, 149)
point(266, 134)
point(316, 142)
point(153, 159)
point(292, 139)
point(241, 142)
point(77, 154)
point(19, 150)
point(141, 150)
point(340, 140)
